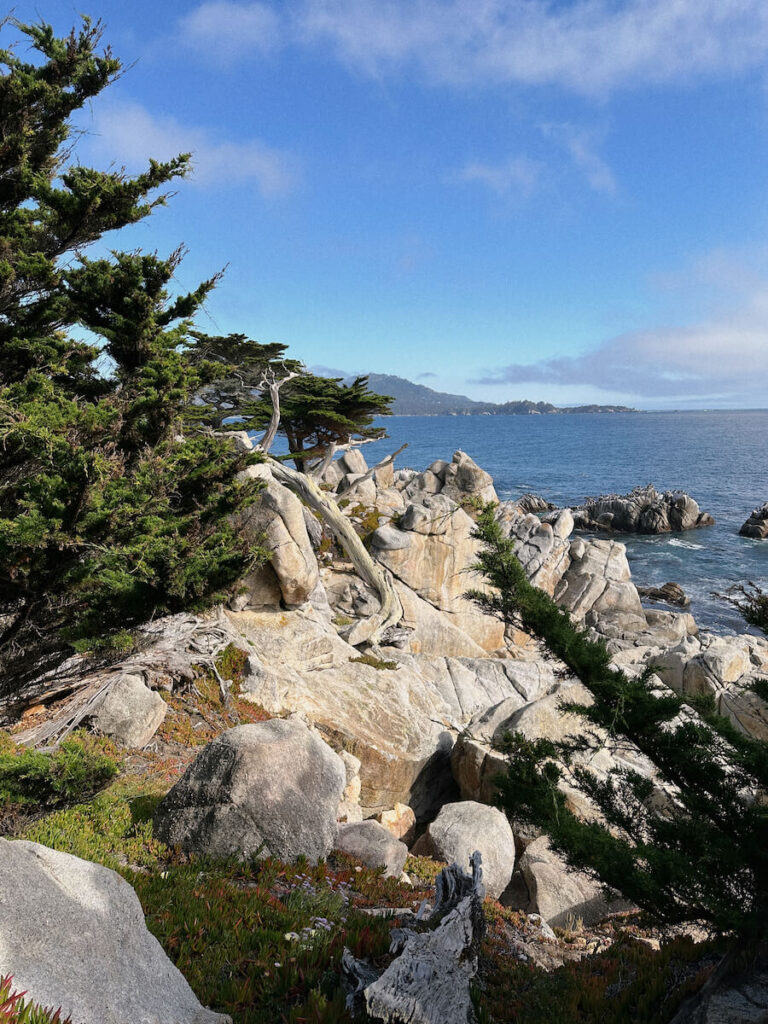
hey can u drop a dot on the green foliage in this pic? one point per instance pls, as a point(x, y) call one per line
point(14, 1009)
point(317, 412)
point(752, 601)
point(373, 662)
point(703, 858)
point(263, 942)
point(114, 829)
point(76, 769)
point(114, 502)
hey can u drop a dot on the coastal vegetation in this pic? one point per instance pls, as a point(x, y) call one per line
point(153, 542)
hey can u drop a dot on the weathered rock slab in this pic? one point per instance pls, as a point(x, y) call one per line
point(73, 935)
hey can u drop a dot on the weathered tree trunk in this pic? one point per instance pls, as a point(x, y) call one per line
point(391, 610)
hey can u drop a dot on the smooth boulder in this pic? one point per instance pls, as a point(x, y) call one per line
point(373, 845)
point(266, 790)
point(73, 935)
point(463, 827)
point(561, 894)
point(129, 712)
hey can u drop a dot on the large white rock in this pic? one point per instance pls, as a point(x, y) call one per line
point(463, 479)
point(542, 548)
point(434, 560)
point(461, 828)
point(399, 722)
point(129, 713)
point(597, 586)
point(267, 790)
point(72, 934)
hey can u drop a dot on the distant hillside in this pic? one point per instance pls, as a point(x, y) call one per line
point(417, 400)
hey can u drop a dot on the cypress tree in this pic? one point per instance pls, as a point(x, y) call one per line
point(114, 503)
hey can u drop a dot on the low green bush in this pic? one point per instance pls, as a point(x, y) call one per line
point(77, 769)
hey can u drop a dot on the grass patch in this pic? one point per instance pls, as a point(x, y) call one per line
point(263, 942)
point(114, 829)
point(377, 663)
point(627, 982)
point(199, 714)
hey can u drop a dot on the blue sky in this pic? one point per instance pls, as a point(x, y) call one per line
point(562, 201)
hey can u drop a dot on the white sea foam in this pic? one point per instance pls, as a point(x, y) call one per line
point(675, 542)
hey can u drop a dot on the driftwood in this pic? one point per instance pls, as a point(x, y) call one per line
point(428, 983)
point(168, 649)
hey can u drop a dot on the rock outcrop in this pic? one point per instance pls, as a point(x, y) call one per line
point(277, 522)
point(431, 552)
point(643, 510)
point(399, 713)
point(597, 587)
point(266, 790)
point(757, 524)
point(72, 934)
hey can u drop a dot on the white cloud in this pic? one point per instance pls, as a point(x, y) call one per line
point(590, 46)
point(226, 31)
point(519, 175)
point(580, 145)
point(128, 134)
point(723, 360)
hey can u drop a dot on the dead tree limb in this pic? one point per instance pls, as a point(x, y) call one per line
point(379, 465)
point(391, 610)
point(319, 468)
point(271, 383)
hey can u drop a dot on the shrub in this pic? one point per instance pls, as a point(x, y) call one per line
point(372, 662)
point(77, 769)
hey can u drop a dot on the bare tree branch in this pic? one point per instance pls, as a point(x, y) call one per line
point(269, 382)
point(391, 610)
point(379, 465)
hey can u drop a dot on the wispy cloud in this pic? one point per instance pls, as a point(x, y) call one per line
point(517, 175)
point(129, 134)
point(581, 146)
point(590, 46)
point(724, 359)
point(225, 31)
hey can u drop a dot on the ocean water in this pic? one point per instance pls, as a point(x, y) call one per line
point(719, 458)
